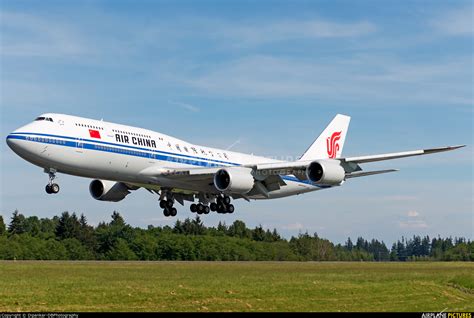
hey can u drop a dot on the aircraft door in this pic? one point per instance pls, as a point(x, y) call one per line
point(79, 145)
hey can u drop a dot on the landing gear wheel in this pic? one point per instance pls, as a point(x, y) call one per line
point(51, 187)
point(200, 209)
point(230, 208)
point(220, 208)
point(166, 212)
point(173, 211)
point(54, 188)
point(226, 200)
point(193, 208)
point(169, 203)
point(206, 209)
point(213, 207)
point(162, 204)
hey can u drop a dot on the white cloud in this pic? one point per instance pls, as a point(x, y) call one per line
point(456, 22)
point(293, 226)
point(413, 220)
point(29, 35)
point(413, 224)
point(185, 106)
point(257, 34)
point(360, 78)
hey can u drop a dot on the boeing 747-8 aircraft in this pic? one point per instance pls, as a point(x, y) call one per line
point(122, 158)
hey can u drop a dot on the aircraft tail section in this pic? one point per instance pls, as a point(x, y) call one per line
point(331, 141)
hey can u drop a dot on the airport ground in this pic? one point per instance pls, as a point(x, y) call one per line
point(236, 286)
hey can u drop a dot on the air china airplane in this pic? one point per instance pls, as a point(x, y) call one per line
point(122, 159)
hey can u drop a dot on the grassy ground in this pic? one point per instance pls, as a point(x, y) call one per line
point(201, 286)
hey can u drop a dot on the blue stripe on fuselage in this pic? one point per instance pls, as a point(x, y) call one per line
point(151, 154)
point(126, 146)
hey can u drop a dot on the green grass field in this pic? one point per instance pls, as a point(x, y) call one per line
point(249, 286)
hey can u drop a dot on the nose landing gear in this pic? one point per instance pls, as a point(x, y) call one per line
point(51, 187)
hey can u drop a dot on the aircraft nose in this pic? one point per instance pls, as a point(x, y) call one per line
point(12, 141)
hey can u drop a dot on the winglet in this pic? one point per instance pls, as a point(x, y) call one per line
point(441, 149)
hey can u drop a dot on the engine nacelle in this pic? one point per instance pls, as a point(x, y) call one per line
point(103, 190)
point(325, 172)
point(234, 180)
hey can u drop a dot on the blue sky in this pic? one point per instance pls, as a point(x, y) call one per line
point(267, 76)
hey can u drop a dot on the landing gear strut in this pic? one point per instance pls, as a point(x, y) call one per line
point(167, 206)
point(223, 205)
point(51, 187)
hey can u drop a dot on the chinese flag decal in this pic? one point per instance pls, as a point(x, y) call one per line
point(94, 133)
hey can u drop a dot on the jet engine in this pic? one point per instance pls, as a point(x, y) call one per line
point(103, 190)
point(325, 172)
point(234, 180)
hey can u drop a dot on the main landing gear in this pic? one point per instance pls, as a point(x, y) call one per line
point(222, 205)
point(167, 206)
point(200, 208)
point(52, 188)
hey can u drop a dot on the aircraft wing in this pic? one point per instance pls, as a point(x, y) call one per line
point(180, 174)
point(396, 155)
point(271, 172)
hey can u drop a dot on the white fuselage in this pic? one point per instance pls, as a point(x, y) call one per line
point(102, 150)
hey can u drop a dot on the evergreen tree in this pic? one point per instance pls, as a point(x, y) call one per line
point(393, 253)
point(401, 251)
point(178, 227)
point(2, 226)
point(258, 234)
point(198, 226)
point(349, 245)
point(68, 226)
point(239, 229)
point(86, 233)
point(276, 237)
point(32, 226)
point(17, 223)
point(222, 228)
point(425, 246)
point(117, 219)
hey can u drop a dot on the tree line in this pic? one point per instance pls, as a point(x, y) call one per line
point(70, 237)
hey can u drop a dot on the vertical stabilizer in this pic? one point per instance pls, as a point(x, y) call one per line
point(331, 141)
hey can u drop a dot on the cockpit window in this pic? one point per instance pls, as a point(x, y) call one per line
point(44, 118)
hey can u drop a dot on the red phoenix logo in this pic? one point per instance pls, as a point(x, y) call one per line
point(333, 144)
